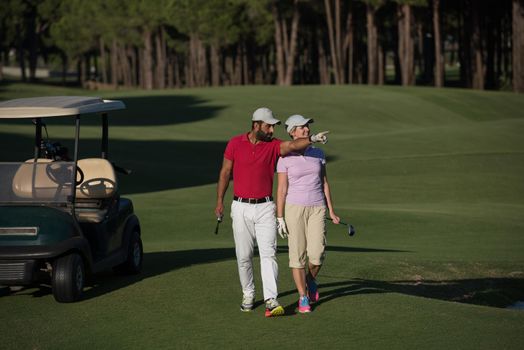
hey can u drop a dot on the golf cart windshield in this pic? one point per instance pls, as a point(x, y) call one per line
point(42, 182)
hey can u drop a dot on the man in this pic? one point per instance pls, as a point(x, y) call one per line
point(251, 159)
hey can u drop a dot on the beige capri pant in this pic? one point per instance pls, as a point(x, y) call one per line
point(307, 234)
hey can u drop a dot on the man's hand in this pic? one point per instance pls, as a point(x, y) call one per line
point(219, 210)
point(320, 137)
point(281, 228)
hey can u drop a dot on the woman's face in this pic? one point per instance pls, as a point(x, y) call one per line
point(300, 131)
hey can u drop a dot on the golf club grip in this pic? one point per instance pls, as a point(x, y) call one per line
point(340, 222)
point(219, 220)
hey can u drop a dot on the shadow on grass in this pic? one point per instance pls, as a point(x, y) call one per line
point(331, 248)
point(155, 264)
point(146, 110)
point(493, 292)
point(159, 263)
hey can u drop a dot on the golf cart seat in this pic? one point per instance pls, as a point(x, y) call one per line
point(98, 186)
point(34, 180)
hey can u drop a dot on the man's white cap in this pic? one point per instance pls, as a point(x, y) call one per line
point(297, 120)
point(265, 115)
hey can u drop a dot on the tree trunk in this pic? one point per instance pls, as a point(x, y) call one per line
point(191, 65)
point(82, 69)
point(63, 56)
point(202, 64)
point(147, 64)
point(381, 66)
point(134, 66)
point(237, 73)
point(396, 64)
point(477, 49)
point(21, 53)
point(405, 44)
point(410, 48)
point(197, 61)
point(227, 75)
point(349, 47)
point(170, 72)
point(215, 65)
point(31, 40)
point(518, 45)
point(140, 70)
point(372, 44)
point(335, 54)
point(176, 69)
point(508, 37)
point(499, 48)
point(338, 42)
point(322, 63)
point(419, 57)
point(160, 66)
point(125, 67)
point(243, 54)
point(439, 66)
point(291, 49)
point(279, 46)
point(103, 68)
point(114, 63)
point(87, 68)
point(285, 44)
point(490, 34)
point(464, 24)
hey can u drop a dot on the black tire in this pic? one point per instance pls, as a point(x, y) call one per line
point(135, 254)
point(68, 278)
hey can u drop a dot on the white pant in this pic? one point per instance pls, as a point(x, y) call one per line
point(256, 222)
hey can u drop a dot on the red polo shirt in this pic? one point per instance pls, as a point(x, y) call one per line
point(253, 166)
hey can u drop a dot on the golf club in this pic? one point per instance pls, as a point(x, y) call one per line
point(351, 229)
point(219, 220)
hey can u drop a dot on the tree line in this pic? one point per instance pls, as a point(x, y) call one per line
point(190, 43)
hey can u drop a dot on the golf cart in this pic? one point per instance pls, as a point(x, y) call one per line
point(62, 217)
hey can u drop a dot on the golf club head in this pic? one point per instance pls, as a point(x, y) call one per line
point(351, 229)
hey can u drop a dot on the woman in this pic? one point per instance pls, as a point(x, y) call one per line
point(303, 194)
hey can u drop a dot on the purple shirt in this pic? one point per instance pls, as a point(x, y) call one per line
point(304, 174)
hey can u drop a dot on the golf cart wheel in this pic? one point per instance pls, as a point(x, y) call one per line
point(135, 254)
point(68, 278)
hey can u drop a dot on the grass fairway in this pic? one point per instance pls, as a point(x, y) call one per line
point(433, 180)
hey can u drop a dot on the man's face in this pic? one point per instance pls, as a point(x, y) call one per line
point(264, 131)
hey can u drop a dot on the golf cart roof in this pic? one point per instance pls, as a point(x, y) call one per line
point(56, 106)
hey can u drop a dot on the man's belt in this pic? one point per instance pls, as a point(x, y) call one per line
point(253, 200)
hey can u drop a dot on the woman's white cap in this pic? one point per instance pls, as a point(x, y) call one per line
point(297, 120)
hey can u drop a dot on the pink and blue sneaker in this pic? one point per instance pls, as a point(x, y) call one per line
point(303, 305)
point(312, 290)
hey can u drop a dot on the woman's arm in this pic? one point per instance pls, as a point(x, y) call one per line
point(327, 194)
point(281, 194)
